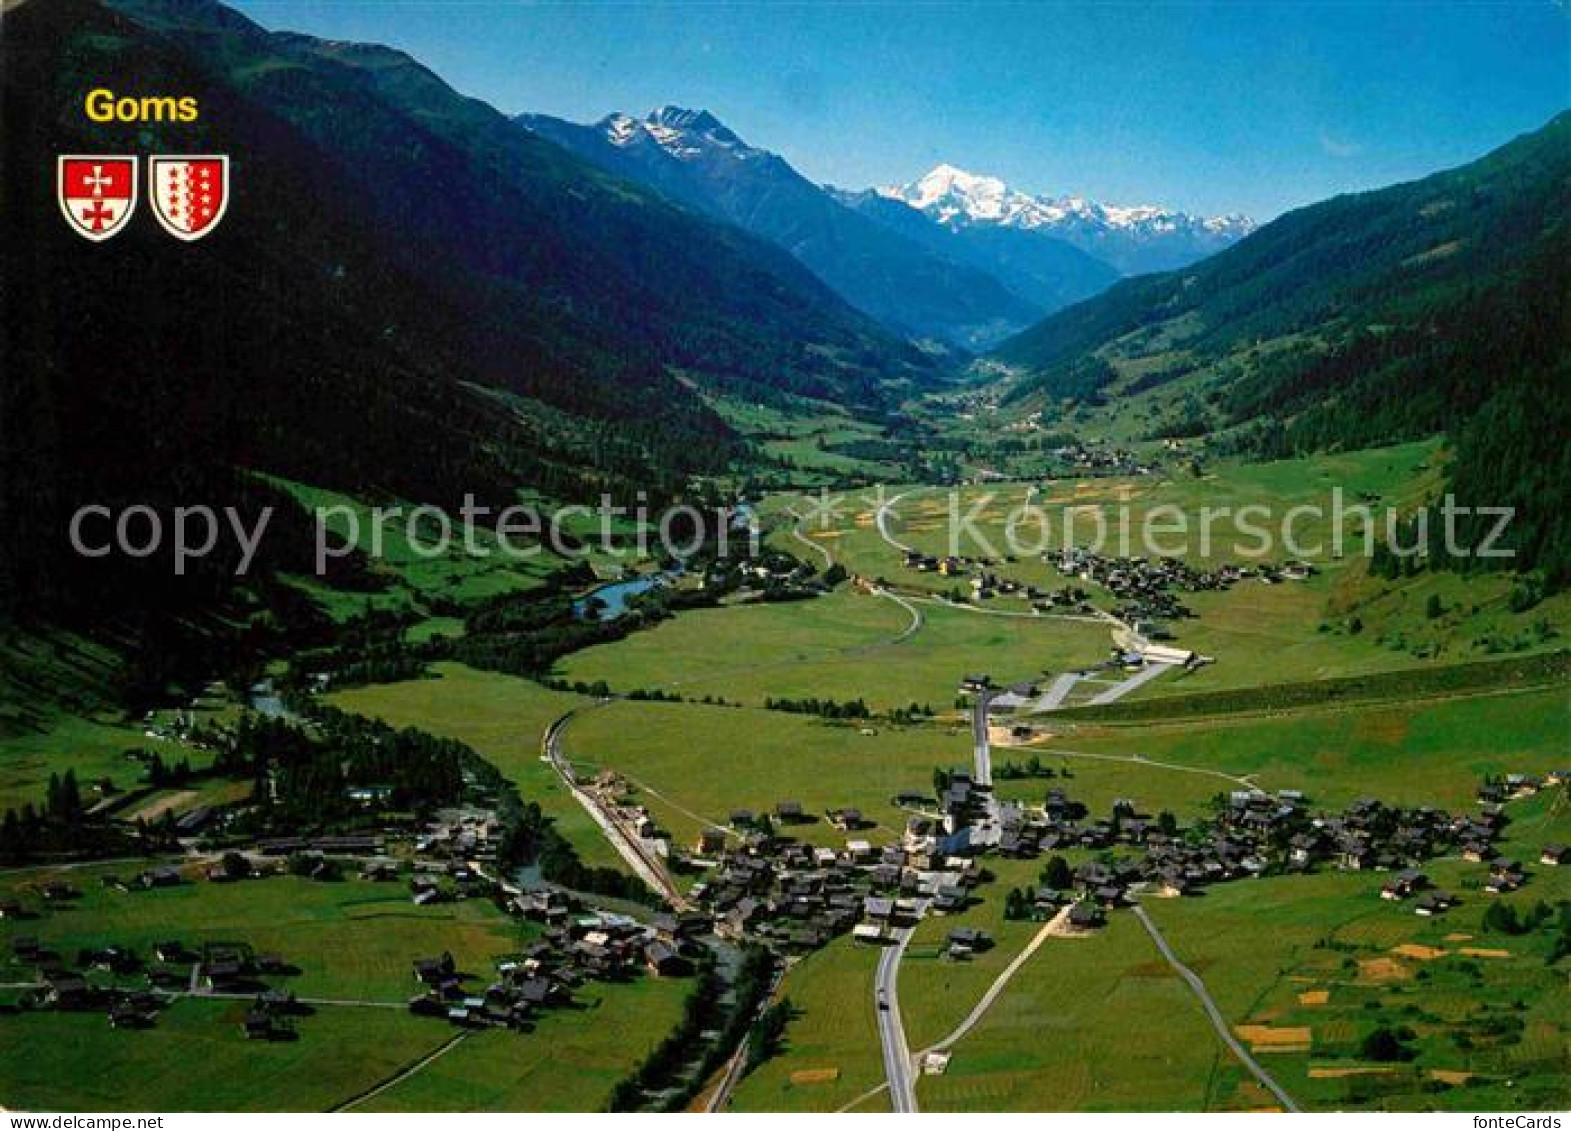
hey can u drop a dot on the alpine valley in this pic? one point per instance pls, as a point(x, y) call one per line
point(642, 693)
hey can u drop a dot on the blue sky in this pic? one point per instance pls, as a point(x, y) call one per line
point(1212, 107)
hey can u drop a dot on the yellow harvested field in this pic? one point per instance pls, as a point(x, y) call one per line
point(1267, 1038)
point(1338, 1073)
point(815, 1075)
point(1484, 952)
point(1314, 997)
point(1457, 936)
point(1382, 970)
point(1419, 951)
point(1450, 1076)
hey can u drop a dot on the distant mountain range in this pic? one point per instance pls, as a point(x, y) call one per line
point(954, 257)
point(694, 159)
point(1134, 240)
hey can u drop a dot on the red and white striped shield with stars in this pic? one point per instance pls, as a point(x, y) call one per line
point(190, 194)
point(97, 193)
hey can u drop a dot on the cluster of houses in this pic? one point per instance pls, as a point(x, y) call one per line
point(576, 946)
point(797, 896)
point(1095, 460)
point(1145, 586)
point(130, 989)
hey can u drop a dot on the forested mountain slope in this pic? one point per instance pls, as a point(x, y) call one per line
point(1439, 305)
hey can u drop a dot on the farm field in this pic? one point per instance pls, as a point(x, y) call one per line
point(831, 1054)
point(94, 748)
point(197, 1059)
point(615, 1028)
point(1323, 957)
point(350, 939)
point(1431, 752)
point(1088, 1024)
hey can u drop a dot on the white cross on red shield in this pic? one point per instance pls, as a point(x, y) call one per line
point(190, 193)
point(97, 192)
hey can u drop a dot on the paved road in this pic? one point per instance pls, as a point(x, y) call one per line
point(1144, 676)
point(891, 1033)
point(1218, 1022)
point(881, 519)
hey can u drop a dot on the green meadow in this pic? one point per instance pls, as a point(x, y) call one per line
point(844, 646)
point(693, 765)
point(1424, 752)
point(831, 1055)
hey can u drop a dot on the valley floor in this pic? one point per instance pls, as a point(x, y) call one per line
point(1301, 968)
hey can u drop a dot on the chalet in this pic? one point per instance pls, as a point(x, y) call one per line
point(789, 812)
point(1404, 884)
point(224, 976)
point(258, 1025)
point(1433, 903)
point(124, 1013)
point(950, 898)
point(1553, 855)
point(434, 971)
point(1047, 898)
point(65, 990)
point(195, 820)
point(710, 842)
point(966, 941)
point(1477, 851)
point(1086, 916)
point(163, 877)
point(662, 960)
point(846, 819)
point(427, 1005)
point(743, 818)
point(1504, 876)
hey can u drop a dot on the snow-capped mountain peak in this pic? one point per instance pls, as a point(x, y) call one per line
point(1133, 237)
point(682, 132)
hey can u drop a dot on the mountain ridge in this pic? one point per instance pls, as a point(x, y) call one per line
point(693, 158)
